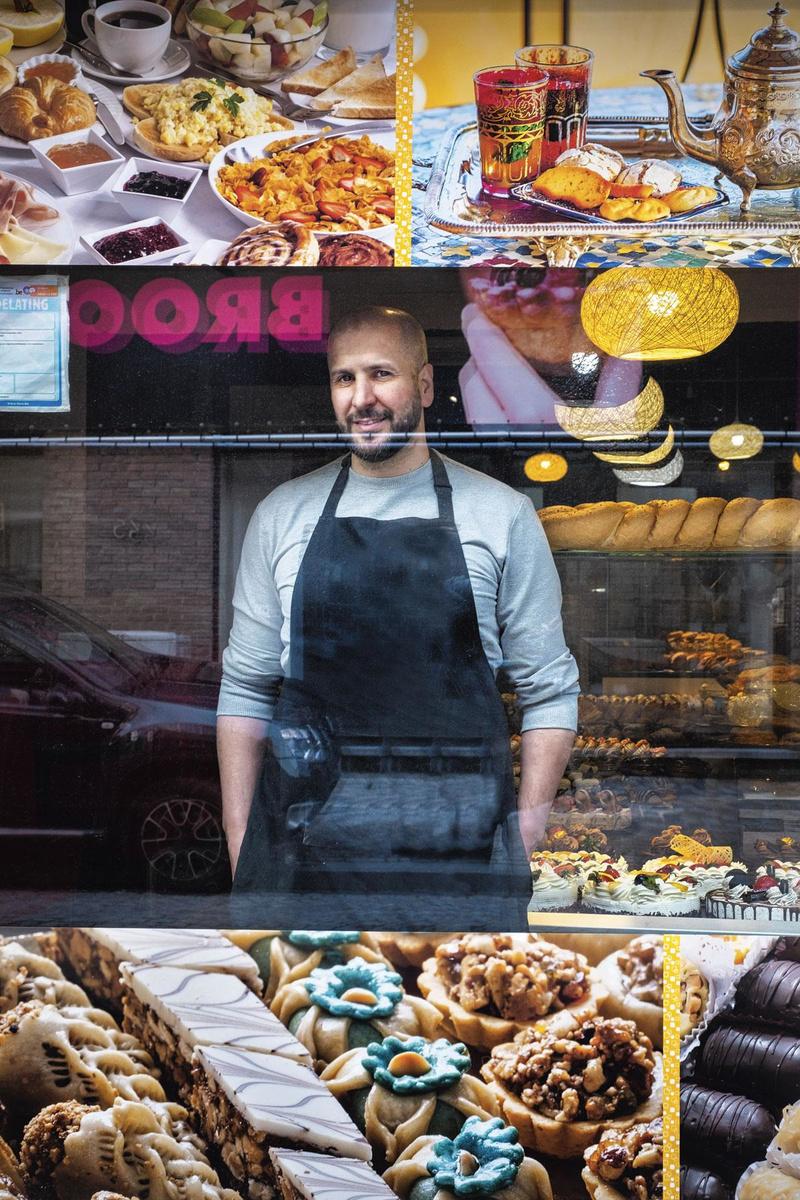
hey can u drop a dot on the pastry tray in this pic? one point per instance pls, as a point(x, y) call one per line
point(455, 203)
point(562, 208)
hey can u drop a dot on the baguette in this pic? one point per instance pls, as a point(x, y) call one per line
point(697, 531)
point(583, 528)
point(732, 521)
point(670, 516)
point(772, 524)
point(634, 528)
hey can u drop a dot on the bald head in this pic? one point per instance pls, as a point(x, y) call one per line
point(363, 321)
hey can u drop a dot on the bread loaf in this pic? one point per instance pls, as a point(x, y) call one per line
point(707, 523)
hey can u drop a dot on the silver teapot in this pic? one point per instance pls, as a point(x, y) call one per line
point(754, 138)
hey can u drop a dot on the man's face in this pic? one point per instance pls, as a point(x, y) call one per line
point(378, 390)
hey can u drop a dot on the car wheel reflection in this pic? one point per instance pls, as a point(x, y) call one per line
point(183, 845)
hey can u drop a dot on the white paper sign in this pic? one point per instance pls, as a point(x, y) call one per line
point(34, 344)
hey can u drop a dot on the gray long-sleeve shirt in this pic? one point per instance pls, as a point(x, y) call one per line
point(514, 582)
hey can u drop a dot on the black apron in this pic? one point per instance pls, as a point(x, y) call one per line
point(388, 773)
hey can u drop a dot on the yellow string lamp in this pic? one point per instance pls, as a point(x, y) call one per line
point(546, 467)
point(648, 459)
point(622, 422)
point(652, 476)
point(656, 313)
point(736, 441)
point(796, 461)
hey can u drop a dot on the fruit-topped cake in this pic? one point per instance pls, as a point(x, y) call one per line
point(769, 898)
point(489, 986)
point(643, 893)
point(554, 887)
point(404, 1087)
point(351, 1004)
point(703, 866)
point(483, 1161)
point(583, 860)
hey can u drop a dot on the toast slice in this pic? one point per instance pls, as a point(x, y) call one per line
point(134, 95)
point(377, 102)
point(315, 80)
point(352, 85)
point(145, 135)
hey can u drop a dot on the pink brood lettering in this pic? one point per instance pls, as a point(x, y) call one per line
point(98, 316)
point(166, 312)
point(299, 310)
point(235, 308)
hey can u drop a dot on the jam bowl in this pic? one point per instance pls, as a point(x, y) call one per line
point(146, 188)
point(136, 244)
point(89, 177)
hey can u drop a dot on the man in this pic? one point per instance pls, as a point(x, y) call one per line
point(375, 601)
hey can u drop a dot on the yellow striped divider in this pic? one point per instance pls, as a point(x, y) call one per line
point(405, 82)
point(672, 1045)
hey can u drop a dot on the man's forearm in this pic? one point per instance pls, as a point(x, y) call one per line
point(543, 759)
point(241, 742)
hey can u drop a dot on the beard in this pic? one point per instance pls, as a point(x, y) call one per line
point(378, 447)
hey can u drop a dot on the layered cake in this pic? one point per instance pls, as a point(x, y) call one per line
point(768, 899)
point(300, 1175)
point(172, 1010)
point(95, 955)
point(639, 893)
point(249, 1103)
point(701, 877)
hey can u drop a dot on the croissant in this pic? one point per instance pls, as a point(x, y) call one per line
point(43, 107)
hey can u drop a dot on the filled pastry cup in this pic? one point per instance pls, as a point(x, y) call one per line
point(349, 1005)
point(403, 1088)
point(593, 946)
point(284, 955)
point(484, 1160)
point(408, 949)
point(612, 1079)
point(695, 993)
point(490, 986)
point(633, 978)
point(634, 1157)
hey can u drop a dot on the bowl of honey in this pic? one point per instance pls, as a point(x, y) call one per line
point(81, 161)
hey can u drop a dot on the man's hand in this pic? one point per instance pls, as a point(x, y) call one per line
point(240, 750)
point(544, 756)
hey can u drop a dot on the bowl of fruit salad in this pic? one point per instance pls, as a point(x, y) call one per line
point(257, 40)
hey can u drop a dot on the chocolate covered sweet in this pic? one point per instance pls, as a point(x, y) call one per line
point(771, 992)
point(699, 1184)
point(761, 1063)
point(726, 1133)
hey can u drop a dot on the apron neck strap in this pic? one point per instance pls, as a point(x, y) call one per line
point(442, 486)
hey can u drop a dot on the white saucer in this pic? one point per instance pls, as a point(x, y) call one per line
point(174, 62)
point(51, 46)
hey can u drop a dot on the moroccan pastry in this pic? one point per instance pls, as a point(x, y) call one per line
point(634, 978)
point(354, 250)
point(300, 1175)
point(408, 949)
point(489, 986)
point(722, 1131)
point(282, 956)
point(483, 1160)
point(10, 1170)
point(49, 1054)
point(768, 1183)
point(601, 159)
point(401, 1088)
point(687, 199)
point(70, 1150)
point(285, 244)
point(629, 209)
point(95, 955)
point(699, 1184)
point(540, 316)
point(562, 1087)
point(45, 106)
point(659, 175)
point(172, 1010)
point(248, 1103)
point(576, 185)
point(28, 976)
point(787, 1139)
point(626, 1163)
point(351, 1004)
point(9, 1190)
point(760, 1063)
point(694, 996)
point(593, 946)
point(770, 992)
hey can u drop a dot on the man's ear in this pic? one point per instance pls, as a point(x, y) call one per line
point(425, 381)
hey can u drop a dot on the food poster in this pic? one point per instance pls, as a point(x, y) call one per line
point(34, 344)
point(226, 132)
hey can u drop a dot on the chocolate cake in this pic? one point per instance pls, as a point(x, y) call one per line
point(725, 1133)
point(760, 1063)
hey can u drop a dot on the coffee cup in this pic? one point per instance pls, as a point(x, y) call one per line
point(132, 35)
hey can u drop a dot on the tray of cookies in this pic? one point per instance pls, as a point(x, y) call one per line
point(596, 186)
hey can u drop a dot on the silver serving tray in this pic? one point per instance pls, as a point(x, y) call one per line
point(455, 203)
